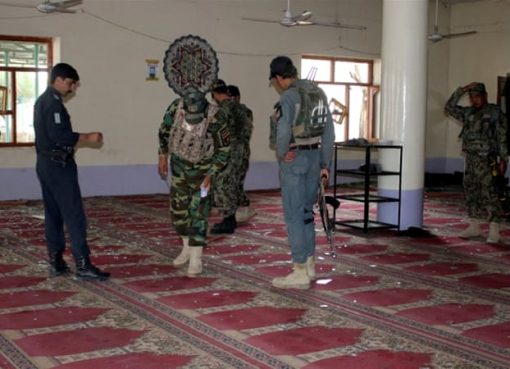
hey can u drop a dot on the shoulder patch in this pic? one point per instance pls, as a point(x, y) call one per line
point(224, 136)
point(56, 116)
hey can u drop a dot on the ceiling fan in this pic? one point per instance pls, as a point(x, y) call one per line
point(436, 36)
point(302, 19)
point(48, 6)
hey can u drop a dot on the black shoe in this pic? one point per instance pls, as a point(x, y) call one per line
point(86, 271)
point(58, 266)
point(228, 225)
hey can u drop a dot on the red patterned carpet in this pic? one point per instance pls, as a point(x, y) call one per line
point(388, 301)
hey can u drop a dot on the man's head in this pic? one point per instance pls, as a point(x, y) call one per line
point(478, 95)
point(194, 104)
point(219, 90)
point(233, 92)
point(64, 78)
point(282, 72)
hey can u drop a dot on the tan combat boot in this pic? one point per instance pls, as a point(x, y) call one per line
point(310, 268)
point(195, 261)
point(243, 214)
point(183, 257)
point(493, 233)
point(297, 279)
point(473, 230)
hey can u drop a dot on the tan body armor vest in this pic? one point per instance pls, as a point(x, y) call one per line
point(191, 141)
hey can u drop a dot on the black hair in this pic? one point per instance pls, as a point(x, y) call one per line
point(233, 91)
point(63, 70)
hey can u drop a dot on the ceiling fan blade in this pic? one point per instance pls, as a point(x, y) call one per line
point(304, 16)
point(68, 3)
point(460, 34)
point(250, 19)
point(339, 25)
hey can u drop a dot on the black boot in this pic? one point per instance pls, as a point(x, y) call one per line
point(58, 266)
point(228, 225)
point(86, 271)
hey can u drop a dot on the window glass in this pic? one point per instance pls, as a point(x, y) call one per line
point(24, 67)
point(23, 54)
point(316, 69)
point(347, 86)
point(351, 72)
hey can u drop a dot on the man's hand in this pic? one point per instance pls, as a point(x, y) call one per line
point(289, 156)
point(470, 86)
point(92, 137)
point(325, 176)
point(163, 166)
point(206, 183)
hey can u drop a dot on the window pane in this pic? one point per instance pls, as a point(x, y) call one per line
point(358, 112)
point(28, 87)
point(6, 129)
point(316, 70)
point(351, 72)
point(22, 54)
point(6, 81)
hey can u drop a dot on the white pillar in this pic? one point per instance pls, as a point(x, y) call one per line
point(403, 106)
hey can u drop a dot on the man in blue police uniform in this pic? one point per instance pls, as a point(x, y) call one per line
point(304, 148)
point(58, 175)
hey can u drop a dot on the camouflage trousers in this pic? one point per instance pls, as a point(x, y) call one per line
point(226, 187)
point(243, 169)
point(188, 210)
point(481, 196)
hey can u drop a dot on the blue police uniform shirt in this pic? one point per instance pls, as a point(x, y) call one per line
point(52, 123)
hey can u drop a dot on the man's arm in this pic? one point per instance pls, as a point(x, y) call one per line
point(452, 109)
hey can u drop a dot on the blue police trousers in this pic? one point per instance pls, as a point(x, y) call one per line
point(299, 181)
point(62, 205)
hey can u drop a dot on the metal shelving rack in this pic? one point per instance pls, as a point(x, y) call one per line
point(366, 197)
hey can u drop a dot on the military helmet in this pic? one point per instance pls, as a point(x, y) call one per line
point(478, 88)
point(194, 104)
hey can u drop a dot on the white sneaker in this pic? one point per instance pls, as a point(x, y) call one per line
point(297, 279)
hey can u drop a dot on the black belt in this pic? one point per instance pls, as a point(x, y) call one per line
point(58, 155)
point(314, 146)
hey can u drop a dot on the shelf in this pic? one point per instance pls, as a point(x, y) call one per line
point(358, 172)
point(360, 224)
point(371, 198)
point(369, 192)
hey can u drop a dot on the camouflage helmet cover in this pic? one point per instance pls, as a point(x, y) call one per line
point(194, 104)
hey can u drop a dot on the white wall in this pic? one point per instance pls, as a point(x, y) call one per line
point(481, 57)
point(110, 41)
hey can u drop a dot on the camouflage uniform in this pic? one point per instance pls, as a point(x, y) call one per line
point(247, 129)
point(226, 183)
point(190, 211)
point(483, 139)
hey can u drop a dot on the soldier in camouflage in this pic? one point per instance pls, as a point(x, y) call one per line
point(196, 136)
point(484, 143)
point(245, 116)
point(226, 183)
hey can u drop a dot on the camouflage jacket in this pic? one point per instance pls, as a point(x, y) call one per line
point(218, 130)
point(242, 122)
point(484, 131)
